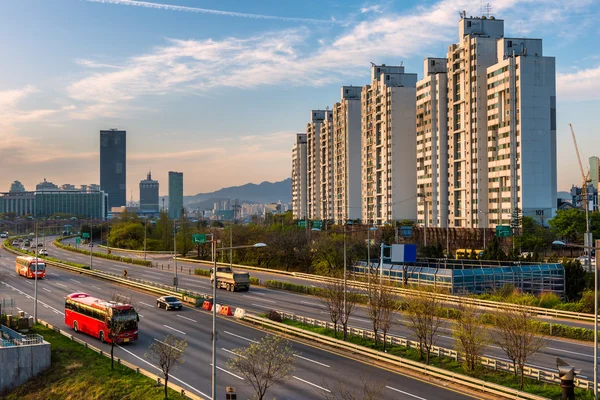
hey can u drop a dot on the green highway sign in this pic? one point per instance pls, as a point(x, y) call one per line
point(85, 235)
point(503, 230)
point(302, 224)
point(78, 240)
point(199, 238)
point(317, 224)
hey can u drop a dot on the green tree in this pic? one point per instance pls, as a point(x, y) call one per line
point(569, 225)
point(575, 279)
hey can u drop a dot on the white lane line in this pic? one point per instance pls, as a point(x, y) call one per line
point(233, 352)
point(146, 304)
point(360, 319)
point(96, 287)
point(406, 393)
point(258, 305)
point(189, 319)
point(60, 284)
point(29, 297)
point(75, 280)
point(570, 352)
point(174, 348)
point(170, 376)
point(52, 273)
point(230, 373)
point(57, 312)
point(260, 294)
point(141, 315)
point(241, 337)
point(31, 283)
point(311, 304)
point(313, 361)
point(312, 384)
point(47, 290)
point(258, 298)
point(176, 330)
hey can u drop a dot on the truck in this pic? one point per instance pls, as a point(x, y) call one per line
point(231, 280)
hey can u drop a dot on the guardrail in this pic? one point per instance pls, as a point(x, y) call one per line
point(137, 369)
point(439, 373)
point(134, 251)
point(488, 362)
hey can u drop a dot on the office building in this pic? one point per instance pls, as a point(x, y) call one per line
point(175, 194)
point(46, 186)
point(347, 204)
point(389, 179)
point(313, 163)
point(149, 194)
point(46, 203)
point(594, 170)
point(326, 160)
point(299, 176)
point(113, 166)
point(432, 144)
point(16, 187)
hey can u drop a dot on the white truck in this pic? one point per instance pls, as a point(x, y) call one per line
point(231, 280)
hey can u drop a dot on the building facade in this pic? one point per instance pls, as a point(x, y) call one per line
point(388, 157)
point(45, 203)
point(432, 144)
point(113, 166)
point(326, 159)
point(149, 194)
point(175, 194)
point(45, 185)
point(313, 163)
point(594, 170)
point(347, 200)
point(299, 177)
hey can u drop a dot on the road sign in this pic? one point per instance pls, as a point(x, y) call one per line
point(317, 224)
point(302, 224)
point(406, 230)
point(503, 230)
point(78, 240)
point(199, 238)
point(85, 235)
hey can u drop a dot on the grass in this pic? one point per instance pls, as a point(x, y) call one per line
point(80, 373)
point(548, 390)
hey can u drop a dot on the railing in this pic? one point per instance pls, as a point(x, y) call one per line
point(137, 369)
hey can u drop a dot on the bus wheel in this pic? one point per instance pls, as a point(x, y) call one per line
point(75, 326)
point(102, 336)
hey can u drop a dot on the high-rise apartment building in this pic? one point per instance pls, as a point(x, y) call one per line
point(149, 194)
point(313, 163)
point(432, 144)
point(299, 177)
point(326, 158)
point(389, 179)
point(175, 194)
point(347, 155)
point(594, 170)
point(113, 166)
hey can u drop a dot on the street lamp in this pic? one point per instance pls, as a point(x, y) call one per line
point(561, 243)
point(214, 309)
point(372, 228)
point(36, 274)
point(91, 244)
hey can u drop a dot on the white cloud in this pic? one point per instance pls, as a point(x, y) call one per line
point(374, 9)
point(579, 86)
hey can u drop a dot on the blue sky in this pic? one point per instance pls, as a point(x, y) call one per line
point(217, 89)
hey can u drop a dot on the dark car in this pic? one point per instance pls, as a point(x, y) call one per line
point(169, 303)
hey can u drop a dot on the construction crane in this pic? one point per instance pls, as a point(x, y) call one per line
point(585, 179)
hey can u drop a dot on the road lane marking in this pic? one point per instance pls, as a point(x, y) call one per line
point(406, 393)
point(75, 280)
point(31, 283)
point(170, 376)
point(189, 319)
point(312, 384)
point(360, 319)
point(241, 337)
point(29, 297)
point(311, 304)
point(96, 287)
point(313, 361)
point(60, 284)
point(47, 290)
point(230, 373)
point(259, 299)
point(146, 304)
point(176, 330)
point(233, 352)
point(174, 348)
point(258, 305)
point(570, 352)
point(52, 273)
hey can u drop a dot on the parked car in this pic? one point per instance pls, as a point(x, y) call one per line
point(43, 252)
point(169, 303)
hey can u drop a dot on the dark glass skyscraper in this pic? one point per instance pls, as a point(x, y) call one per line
point(113, 166)
point(175, 194)
point(149, 194)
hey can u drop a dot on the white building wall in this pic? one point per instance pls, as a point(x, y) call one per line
point(326, 158)
point(299, 177)
point(313, 164)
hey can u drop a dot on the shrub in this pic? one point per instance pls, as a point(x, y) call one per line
point(205, 272)
point(255, 281)
point(549, 300)
point(274, 316)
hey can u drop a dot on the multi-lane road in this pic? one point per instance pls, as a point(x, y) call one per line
point(317, 371)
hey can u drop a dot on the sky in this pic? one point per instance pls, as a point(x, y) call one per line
point(218, 89)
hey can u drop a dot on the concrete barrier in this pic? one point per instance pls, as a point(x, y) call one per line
point(239, 313)
point(21, 363)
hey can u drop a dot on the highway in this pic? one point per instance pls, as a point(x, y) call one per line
point(260, 300)
point(316, 370)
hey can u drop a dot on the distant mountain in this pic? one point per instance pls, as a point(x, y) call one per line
point(266, 192)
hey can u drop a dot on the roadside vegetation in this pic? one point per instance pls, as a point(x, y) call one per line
point(80, 373)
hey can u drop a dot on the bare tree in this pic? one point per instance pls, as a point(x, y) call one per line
point(332, 297)
point(517, 333)
point(119, 321)
point(380, 309)
point(168, 354)
point(270, 360)
point(423, 318)
point(370, 390)
point(471, 338)
point(348, 306)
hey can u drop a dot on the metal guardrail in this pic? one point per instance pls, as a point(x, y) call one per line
point(439, 373)
point(137, 369)
point(488, 362)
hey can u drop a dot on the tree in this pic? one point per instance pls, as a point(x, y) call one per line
point(168, 354)
point(569, 225)
point(120, 322)
point(471, 338)
point(332, 297)
point(423, 319)
point(575, 279)
point(517, 334)
point(380, 309)
point(269, 361)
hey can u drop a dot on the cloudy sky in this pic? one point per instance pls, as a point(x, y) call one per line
point(217, 89)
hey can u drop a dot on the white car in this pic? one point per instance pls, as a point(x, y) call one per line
point(43, 252)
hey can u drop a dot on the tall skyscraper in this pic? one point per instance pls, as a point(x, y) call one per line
point(313, 163)
point(175, 194)
point(346, 158)
point(594, 170)
point(149, 194)
point(389, 179)
point(299, 206)
point(113, 166)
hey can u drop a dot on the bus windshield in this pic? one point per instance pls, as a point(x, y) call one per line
point(127, 317)
point(40, 267)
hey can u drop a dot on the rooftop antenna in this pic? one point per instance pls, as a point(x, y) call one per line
point(486, 10)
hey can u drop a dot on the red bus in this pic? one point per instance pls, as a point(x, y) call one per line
point(96, 317)
point(26, 266)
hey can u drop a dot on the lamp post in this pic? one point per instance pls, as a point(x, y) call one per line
point(145, 228)
point(372, 228)
point(91, 244)
point(175, 279)
point(422, 195)
point(560, 243)
point(214, 310)
point(36, 271)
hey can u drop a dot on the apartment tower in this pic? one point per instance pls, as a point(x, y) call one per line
point(326, 157)
point(113, 166)
point(313, 163)
point(389, 179)
point(347, 156)
point(175, 195)
point(299, 193)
